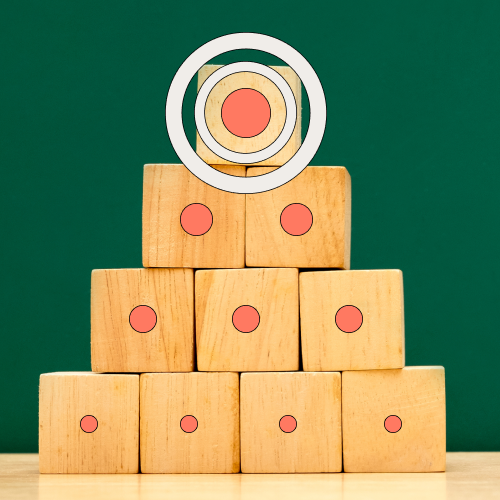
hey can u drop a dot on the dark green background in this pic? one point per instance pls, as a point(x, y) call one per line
point(413, 112)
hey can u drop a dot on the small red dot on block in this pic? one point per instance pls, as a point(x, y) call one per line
point(189, 423)
point(142, 319)
point(296, 219)
point(392, 423)
point(196, 219)
point(246, 319)
point(246, 113)
point(349, 319)
point(288, 423)
point(88, 423)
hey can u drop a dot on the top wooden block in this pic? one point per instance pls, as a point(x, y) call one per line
point(172, 190)
point(268, 89)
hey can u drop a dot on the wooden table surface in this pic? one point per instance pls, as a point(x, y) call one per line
point(469, 475)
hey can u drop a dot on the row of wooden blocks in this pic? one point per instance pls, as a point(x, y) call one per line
point(305, 223)
point(146, 320)
point(359, 421)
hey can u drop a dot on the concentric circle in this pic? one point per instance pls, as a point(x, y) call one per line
point(177, 134)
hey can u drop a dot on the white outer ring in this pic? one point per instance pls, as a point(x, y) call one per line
point(230, 183)
point(254, 156)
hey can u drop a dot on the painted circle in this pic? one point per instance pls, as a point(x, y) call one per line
point(142, 319)
point(349, 319)
point(392, 424)
point(315, 131)
point(296, 219)
point(246, 319)
point(196, 219)
point(246, 113)
point(88, 424)
point(189, 423)
point(288, 423)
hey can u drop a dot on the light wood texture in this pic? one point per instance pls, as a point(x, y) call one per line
point(213, 399)
point(168, 189)
point(65, 398)
point(326, 191)
point(116, 346)
point(469, 475)
point(269, 90)
point(416, 395)
point(273, 345)
point(313, 399)
point(379, 342)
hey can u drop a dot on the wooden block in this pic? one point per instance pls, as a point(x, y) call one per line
point(394, 420)
point(278, 222)
point(247, 320)
point(190, 423)
point(291, 422)
point(187, 223)
point(142, 320)
point(352, 320)
point(219, 131)
point(72, 404)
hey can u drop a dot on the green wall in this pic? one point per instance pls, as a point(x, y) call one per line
point(413, 112)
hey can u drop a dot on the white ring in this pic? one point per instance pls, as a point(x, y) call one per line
point(255, 156)
point(230, 183)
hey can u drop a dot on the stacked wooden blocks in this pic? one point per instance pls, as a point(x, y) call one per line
point(197, 357)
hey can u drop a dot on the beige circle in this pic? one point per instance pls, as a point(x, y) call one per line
point(219, 94)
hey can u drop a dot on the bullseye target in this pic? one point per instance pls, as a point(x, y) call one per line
point(255, 121)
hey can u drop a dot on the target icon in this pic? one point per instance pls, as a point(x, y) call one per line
point(259, 114)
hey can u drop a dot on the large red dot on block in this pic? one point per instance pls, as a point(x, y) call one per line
point(246, 319)
point(246, 113)
point(196, 219)
point(296, 219)
point(142, 319)
point(349, 319)
point(189, 423)
point(288, 423)
point(392, 423)
point(88, 423)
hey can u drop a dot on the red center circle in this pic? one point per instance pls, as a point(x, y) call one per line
point(296, 219)
point(88, 423)
point(392, 423)
point(246, 319)
point(189, 423)
point(142, 319)
point(196, 219)
point(288, 423)
point(349, 319)
point(246, 113)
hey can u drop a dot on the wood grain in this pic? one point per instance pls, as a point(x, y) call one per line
point(416, 395)
point(326, 191)
point(378, 344)
point(278, 113)
point(213, 399)
point(168, 189)
point(65, 398)
point(273, 345)
point(116, 346)
point(313, 399)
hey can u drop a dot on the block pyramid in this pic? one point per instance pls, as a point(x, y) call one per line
point(245, 344)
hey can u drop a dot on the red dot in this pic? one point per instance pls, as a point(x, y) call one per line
point(296, 219)
point(142, 319)
point(189, 423)
point(246, 113)
point(196, 219)
point(88, 423)
point(288, 423)
point(246, 319)
point(392, 423)
point(349, 319)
